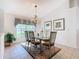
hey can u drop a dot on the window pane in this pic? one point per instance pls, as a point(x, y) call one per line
point(21, 28)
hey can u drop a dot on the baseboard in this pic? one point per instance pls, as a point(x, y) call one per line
point(18, 42)
point(60, 46)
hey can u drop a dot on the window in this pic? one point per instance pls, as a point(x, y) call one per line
point(21, 28)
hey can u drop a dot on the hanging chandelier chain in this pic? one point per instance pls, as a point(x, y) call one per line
point(35, 11)
point(36, 14)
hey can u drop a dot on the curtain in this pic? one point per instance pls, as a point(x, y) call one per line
point(23, 21)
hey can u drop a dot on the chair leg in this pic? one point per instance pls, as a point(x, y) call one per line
point(28, 44)
point(35, 46)
point(54, 49)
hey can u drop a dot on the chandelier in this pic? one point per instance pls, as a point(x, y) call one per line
point(35, 19)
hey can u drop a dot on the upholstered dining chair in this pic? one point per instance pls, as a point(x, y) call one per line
point(27, 37)
point(51, 41)
point(32, 38)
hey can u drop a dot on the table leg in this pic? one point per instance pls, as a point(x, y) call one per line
point(40, 46)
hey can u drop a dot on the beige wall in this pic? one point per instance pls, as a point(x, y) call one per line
point(9, 26)
point(66, 37)
point(77, 26)
point(1, 34)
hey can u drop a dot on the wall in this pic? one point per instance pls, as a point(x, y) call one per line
point(1, 34)
point(9, 23)
point(9, 26)
point(66, 37)
point(77, 31)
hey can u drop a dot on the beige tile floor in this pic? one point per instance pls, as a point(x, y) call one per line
point(18, 52)
point(67, 53)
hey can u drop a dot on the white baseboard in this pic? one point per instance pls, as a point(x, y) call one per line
point(60, 45)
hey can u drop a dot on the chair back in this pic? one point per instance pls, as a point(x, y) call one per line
point(27, 35)
point(52, 37)
point(31, 35)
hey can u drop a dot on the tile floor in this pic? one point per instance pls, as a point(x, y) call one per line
point(18, 52)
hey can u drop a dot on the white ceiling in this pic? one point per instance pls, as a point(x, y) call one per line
point(26, 7)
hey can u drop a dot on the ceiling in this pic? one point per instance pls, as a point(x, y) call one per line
point(26, 7)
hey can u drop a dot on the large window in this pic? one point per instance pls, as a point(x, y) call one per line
point(21, 28)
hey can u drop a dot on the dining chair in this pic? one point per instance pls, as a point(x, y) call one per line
point(51, 41)
point(27, 37)
point(32, 38)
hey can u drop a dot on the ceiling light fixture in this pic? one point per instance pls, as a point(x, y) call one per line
point(35, 19)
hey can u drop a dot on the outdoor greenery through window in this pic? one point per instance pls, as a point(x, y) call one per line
point(21, 28)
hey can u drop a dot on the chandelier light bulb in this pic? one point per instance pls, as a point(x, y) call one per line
point(35, 6)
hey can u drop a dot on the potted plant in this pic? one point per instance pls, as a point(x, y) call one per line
point(9, 38)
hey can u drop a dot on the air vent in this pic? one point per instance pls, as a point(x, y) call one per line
point(72, 3)
point(78, 2)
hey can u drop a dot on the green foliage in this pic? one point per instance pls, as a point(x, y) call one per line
point(9, 38)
